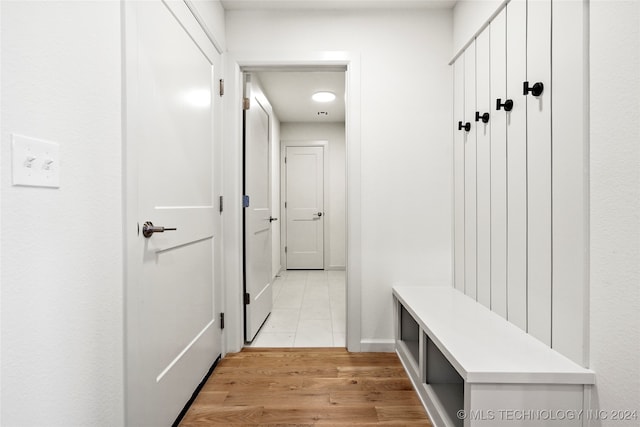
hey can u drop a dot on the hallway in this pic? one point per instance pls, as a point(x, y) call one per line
point(304, 387)
point(308, 310)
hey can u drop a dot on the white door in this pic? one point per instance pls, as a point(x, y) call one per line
point(172, 328)
point(304, 204)
point(257, 212)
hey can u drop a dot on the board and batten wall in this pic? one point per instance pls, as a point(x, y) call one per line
point(605, 256)
point(405, 141)
point(334, 134)
point(524, 219)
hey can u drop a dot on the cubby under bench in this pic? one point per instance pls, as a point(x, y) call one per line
point(473, 368)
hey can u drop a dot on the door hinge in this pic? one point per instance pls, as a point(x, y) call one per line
point(285, 249)
point(221, 203)
point(245, 201)
point(247, 299)
point(221, 87)
point(285, 160)
point(221, 320)
point(246, 103)
point(285, 205)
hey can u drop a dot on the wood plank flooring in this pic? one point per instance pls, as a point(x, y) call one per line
point(298, 386)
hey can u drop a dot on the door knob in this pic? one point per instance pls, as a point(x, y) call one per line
point(536, 89)
point(148, 229)
point(466, 126)
point(319, 214)
point(507, 105)
point(271, 219)
point(484, 117)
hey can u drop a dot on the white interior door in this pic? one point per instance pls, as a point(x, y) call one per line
point(257, 215)
point(304, 204)
point(173, 336)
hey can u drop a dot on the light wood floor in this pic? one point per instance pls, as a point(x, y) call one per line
point(309, 386)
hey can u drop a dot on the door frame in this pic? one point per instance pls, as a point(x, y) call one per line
point(283, 191)
point(235, 64)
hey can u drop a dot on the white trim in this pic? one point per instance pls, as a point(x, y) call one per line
point(378, 345)
point(235, 62)
point(205, 27)
point(283, 191)
point(477, 33)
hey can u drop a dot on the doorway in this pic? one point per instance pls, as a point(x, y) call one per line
point(309, 307)
point(236, 63)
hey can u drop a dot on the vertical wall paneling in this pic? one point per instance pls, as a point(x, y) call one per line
point(570, 170)
point(458, 173)
point(516, 165)
point(483, 153)
point(470, 227)
point(498, 124)
point(521, 181)
point(539, 170)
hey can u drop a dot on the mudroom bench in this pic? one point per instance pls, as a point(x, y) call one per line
point(473, 368)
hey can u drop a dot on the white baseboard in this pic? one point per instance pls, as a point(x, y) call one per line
point(378, 345)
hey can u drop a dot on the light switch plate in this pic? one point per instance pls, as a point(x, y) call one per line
point(35, 162)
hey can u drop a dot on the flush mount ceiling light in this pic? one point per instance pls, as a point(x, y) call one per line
point(323, 96)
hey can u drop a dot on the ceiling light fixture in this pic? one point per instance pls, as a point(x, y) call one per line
point(323, 96)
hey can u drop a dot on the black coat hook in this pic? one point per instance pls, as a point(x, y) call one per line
point(536, 89)
point(484, 117)
point(507, 105)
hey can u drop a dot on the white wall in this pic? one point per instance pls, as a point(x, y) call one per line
point(62, 261)
point(615, 205)
point(334, 133)
point(405, 137)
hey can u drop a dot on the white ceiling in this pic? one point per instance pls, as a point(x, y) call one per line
point(335, 4)
point(289, 93)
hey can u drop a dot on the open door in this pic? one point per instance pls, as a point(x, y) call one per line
point(257, 211)
point(172, 298)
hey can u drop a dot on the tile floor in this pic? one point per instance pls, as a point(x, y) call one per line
point(308, 310)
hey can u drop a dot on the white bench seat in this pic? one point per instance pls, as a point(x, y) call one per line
point(487, 352)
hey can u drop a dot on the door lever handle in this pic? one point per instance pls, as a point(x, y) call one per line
point(271, 219)
point(148, 229)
